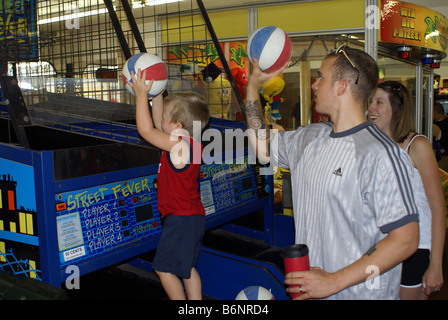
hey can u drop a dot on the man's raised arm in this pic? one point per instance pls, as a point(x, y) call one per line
point(259, 132)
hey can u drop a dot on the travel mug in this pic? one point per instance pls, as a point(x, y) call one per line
point(295, 258)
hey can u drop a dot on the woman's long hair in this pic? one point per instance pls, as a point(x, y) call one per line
point(403, 115)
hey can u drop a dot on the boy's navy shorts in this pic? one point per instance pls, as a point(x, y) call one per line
point(179, 245)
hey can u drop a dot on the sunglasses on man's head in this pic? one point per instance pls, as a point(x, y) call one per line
point(341, 49)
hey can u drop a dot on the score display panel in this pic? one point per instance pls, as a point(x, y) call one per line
point(98, 220)
point(225, 186)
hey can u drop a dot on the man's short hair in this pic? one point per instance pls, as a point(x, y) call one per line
point(368, 72)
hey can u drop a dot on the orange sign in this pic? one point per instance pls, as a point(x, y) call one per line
point(410, 24)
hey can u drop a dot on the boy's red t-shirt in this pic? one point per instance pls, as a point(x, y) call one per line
point(177, 189)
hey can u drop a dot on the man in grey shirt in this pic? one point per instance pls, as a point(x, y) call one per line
point(353, 200)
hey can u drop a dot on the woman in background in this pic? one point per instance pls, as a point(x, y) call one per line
point(391, 109)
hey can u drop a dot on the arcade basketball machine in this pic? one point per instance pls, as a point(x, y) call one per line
point(78, 185)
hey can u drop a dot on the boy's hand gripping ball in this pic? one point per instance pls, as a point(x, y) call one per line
point(155, 70)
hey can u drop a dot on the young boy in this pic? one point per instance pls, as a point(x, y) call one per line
point(178, 198)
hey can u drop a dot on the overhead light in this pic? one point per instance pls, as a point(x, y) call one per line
point(428, 58)
point(141, 4)
point(75, 15)
point(435, 63)
point(404, 52)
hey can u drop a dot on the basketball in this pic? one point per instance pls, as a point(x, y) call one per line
point(255, 293)
point(155, 70)
point(271, 46)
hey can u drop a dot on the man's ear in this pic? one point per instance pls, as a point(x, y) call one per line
point(341, 87)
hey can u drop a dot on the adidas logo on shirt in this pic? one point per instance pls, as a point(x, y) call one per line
point(338, 172)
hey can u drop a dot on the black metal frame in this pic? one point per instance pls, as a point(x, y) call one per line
point(126, 51)
point(221, 56)
point(18, 113)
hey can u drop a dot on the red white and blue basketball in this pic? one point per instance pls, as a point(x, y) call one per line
point(255, 293)
point(271, 46)
point(155, 70)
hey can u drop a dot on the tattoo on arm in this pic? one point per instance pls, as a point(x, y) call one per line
point(370, 251)
point(255, 119)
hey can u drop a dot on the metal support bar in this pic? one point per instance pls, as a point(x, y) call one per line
point(419, 98)
point(222, 57)
point(252, 20)
point(430, 101)
point(118, 30)
point(135, 31)
point(371, 28)
point(18, 113)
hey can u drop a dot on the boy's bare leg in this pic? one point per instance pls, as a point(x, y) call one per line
point(172, 285)
point(193, 286)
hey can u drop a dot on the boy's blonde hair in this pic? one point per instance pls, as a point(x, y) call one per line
point(187, 107)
